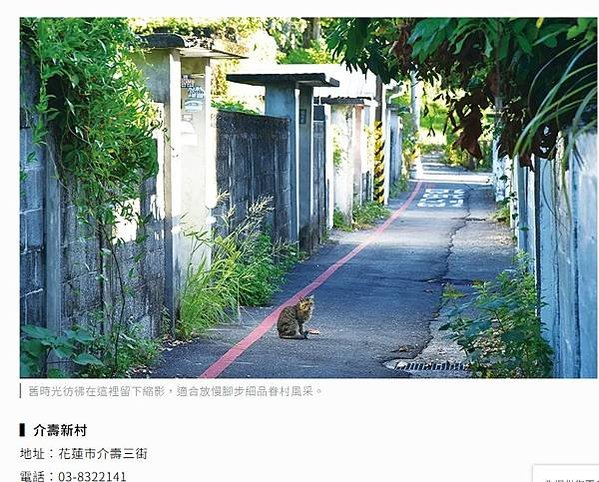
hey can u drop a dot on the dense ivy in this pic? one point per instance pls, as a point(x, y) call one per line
point(93, 100)
point(92, 90)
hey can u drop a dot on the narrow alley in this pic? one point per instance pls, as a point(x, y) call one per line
point(379, 305)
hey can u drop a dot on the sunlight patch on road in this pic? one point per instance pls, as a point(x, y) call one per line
point(454, 178)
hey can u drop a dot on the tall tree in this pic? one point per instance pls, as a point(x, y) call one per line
point(313, 31)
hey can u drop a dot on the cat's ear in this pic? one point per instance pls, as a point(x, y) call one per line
point(310, 298)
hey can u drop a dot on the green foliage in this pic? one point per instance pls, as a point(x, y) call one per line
point(317, 53)
point(39, 343)
point(287, 32)
point(230, 28)
point(84, 352)
point(339, 221)
point(209, 296)
point(431, 147)
point(410, 138)
point(262, 269)
point(502, 214)
point(366, 214)
point(246, 268)
point(364, 44)
point(544, 70)
point(499, 329)
point(339, 156)
point(121, 350)
point(233, 105)
point(90, 86)
point(452, 155)
point(401, 185)
point(433, 115)
point(93, 99)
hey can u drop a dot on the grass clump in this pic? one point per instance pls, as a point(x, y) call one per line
point(134, 351)
point(246, 268)
point(339, 221)
point(502, 214)
point(399, 186)
point(262, 269)
point(365, 215)
point(499, 329)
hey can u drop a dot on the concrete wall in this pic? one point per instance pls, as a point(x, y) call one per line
point(252, 160)
point(567, 228)
point(198, 180)
point(162, 71)
point(353, 177)
point(329, 166)
point(31, 207)
point(306, 169)
point(395, 141)
point(343, 125)
point(359, 152)
point(62, 270)
point(557, 225)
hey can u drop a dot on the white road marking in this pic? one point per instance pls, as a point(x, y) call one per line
point(440, 198)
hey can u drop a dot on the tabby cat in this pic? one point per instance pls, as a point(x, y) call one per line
point(291, 320)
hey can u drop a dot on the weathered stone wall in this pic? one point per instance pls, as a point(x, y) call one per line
point(31, 206)
point(252, 160)
point(142, 264)
point(78, 268)
point(90, 279)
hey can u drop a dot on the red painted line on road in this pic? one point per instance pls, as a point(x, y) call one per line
point(267, 323)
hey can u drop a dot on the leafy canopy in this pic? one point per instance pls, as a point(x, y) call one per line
point(543, 70)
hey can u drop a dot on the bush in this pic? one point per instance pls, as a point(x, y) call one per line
point(317, 53)
point(259, 272)
point(499, 329)
point(38, 343)
point(232, 105)
point(87, 353)
point(206, 297)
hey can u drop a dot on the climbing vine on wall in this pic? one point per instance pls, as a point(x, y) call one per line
point(93, 100)
point(92, 90)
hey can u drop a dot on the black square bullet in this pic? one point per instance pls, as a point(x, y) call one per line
point(21, 430)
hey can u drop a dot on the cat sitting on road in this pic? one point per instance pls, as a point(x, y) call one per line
point(291, 320)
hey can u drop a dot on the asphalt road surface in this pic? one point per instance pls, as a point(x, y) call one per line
point(376, 306)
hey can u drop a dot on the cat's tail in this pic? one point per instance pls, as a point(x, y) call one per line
point(296, 336)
